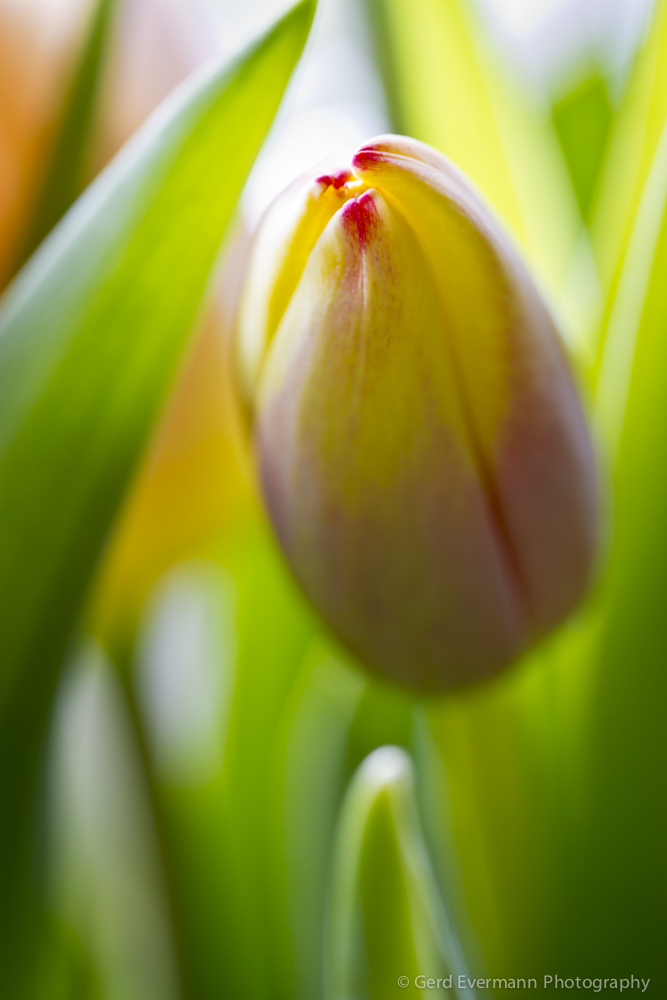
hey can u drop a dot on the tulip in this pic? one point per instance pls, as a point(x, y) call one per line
point(421, 446)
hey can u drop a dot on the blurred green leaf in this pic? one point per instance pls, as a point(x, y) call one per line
point(638, 293)
point(104, 879)
point(386, 920)
point(582, 119)
point(634, 141)
point(384, 715)
point(308, 783)
point(180, 694)
point(503, 798)
point(275, 629)
point(619, 878)
point(221, 840)
point(250, 849)
point(64, 173)
point(90, 335)
point(485, 790)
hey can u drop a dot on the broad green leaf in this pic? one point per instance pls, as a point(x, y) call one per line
point(90, 335)
point(448, 89)
point(63, 177)
point(387, 924)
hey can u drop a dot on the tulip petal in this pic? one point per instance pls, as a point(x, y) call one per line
point(289, 232)
point(533, 446)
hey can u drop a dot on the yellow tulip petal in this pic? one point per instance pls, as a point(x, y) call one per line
point(527, 424)
point(288, 234)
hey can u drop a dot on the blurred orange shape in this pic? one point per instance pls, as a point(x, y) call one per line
point(38, 43)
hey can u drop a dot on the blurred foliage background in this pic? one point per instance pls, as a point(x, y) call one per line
point(195, 802)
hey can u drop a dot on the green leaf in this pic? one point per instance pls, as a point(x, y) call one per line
point(91, 331)
point(495, 763)
point(387, 922)
point(105, 886)
point(638, 289)
point(637, 129)
point(633, 146)
point(309, 779)
point(63, 178)
point(90, 335)
point(582, 119)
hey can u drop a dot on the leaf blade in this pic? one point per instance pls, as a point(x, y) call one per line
point(104, 268)
point(90, 335)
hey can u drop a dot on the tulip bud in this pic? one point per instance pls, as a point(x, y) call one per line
point(422, 450)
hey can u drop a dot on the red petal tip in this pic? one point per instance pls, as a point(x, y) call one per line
point(367, 156)
point(336, 179)
point(360, 216)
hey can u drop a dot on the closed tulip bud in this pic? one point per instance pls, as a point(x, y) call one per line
point(422, 449)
